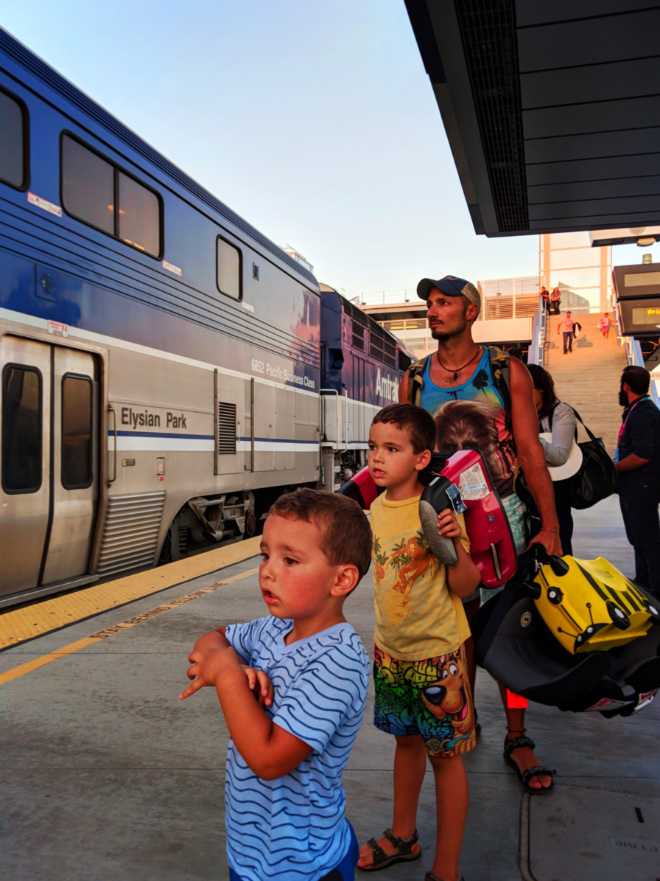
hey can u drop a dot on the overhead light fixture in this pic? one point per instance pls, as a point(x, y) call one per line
point(645, 241)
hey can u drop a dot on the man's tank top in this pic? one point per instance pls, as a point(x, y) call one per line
point(473, 416)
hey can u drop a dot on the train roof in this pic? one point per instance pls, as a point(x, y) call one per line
point(339, 302)
point(48, 75)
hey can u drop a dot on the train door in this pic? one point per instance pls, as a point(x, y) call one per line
point(49, 463)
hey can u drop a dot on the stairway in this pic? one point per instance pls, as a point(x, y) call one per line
point(588, 378)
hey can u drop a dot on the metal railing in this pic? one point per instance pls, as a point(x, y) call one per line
point(536, 350)
point(502, 306)
point(415, 332)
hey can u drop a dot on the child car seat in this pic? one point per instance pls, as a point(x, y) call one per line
point(591, 606)
point(465, 482)
point(516, 646)
point(462, 480)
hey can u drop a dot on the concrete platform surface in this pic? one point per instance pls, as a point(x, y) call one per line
point(590, 835)
point(107, 775)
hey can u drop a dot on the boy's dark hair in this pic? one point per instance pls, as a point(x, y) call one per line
point(638, 378)
point(418, 423)
point(546, 385)
point(345, 531)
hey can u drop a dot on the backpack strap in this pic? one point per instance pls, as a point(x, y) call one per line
point(500, 371)
point(416, 380)
point(499, 368)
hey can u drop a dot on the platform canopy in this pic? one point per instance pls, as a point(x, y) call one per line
point(552, 109)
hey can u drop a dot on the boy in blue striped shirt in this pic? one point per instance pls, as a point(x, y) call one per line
point(292, 687)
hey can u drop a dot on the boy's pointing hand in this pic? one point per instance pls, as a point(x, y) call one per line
point(207, 667)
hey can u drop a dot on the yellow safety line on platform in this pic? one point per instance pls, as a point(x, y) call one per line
point(17, 625)
point(73, 647)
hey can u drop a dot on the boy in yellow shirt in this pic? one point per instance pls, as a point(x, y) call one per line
point(422, 689)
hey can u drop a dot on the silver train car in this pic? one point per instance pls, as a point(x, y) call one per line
point(166, 370)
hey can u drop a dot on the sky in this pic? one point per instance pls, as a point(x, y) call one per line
point(316, 122)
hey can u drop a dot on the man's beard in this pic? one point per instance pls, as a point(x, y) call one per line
point(442, 335)
point(623, 398)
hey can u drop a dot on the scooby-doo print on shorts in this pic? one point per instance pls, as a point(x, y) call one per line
point(431, 698)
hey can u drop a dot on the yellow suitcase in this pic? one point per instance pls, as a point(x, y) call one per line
point(593, 606)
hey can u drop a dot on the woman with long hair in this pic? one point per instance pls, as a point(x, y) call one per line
point(555, 301)
point(557, 417)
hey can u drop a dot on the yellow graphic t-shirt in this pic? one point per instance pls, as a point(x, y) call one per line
point(418, 616)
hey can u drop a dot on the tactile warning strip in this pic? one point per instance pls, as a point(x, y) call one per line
point(65, 651)
point(51, 613)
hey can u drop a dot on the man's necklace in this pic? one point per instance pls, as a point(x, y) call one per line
point(458, 369)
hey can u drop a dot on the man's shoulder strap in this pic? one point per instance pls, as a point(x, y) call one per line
point(499, 368)
point(500, 371)
point(416, 379)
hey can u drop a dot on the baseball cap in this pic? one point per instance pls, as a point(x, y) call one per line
point(452, 287)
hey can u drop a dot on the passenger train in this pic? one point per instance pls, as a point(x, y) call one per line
point(167, 371)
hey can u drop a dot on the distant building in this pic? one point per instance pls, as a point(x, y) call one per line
point(509, 306)
point(298, 257)
point(582, 273)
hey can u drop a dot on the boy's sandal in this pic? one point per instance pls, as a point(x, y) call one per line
point(431, 876)
point(403, 851)
point(526, 775)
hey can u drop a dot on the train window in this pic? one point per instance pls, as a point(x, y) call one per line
point(139, 215)
point(230, 275)
point(97, 192)
point(88, 186)
point(12, 141)
point(21, 429)
point(76, 432)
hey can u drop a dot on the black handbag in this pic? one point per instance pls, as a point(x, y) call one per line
point(597, 478)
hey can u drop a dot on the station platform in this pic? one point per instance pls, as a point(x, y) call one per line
point(107, 775)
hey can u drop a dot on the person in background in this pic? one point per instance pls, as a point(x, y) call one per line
point(555, 300)
point(463, 374)
point(637, 461)
point(559, 418)
point(604, 325)
point(565, 326)
point(545, 294)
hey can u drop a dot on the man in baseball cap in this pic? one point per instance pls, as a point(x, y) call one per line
point(460, 385)
point(452, 287)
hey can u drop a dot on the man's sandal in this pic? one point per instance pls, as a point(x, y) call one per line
point(526, 775)
point(403, 851)
point(430, 876)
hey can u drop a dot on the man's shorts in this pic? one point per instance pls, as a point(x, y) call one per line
point(431, 698)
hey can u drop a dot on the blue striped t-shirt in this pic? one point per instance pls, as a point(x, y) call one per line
point(294, 828)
